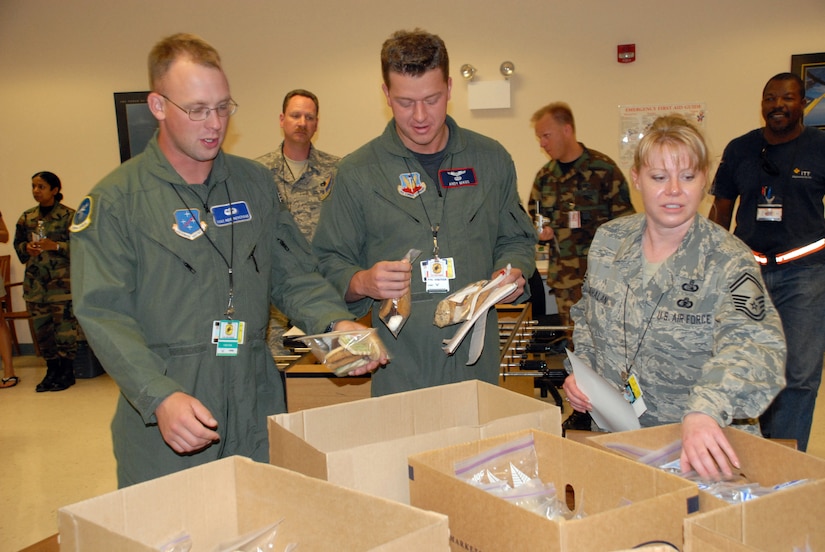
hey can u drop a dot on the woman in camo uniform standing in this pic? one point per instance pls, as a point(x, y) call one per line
point(41, 242)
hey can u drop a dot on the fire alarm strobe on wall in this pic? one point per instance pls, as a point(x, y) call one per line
point(626, 53)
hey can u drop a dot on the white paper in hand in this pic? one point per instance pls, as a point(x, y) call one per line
point(610, 409)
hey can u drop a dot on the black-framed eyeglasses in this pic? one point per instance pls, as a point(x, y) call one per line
point(202, 113)
point(767, 165)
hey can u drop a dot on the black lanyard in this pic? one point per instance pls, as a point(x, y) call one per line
point(230, 308)
point(433, 227)
point(629, 365)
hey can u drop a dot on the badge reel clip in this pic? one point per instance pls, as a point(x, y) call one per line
point(395, 312)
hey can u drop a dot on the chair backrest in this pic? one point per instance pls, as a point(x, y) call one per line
point(6, 302)
point(5, 272)
point(9, 313)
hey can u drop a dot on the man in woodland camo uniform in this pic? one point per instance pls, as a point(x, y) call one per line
point(576, 192)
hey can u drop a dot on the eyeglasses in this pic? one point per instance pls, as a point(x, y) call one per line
point(202, 113)
point(767, 165)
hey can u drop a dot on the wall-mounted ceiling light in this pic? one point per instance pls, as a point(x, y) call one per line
point(468, 71)
point(507, 69)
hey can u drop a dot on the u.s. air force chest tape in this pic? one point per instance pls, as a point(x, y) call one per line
point(83, 215)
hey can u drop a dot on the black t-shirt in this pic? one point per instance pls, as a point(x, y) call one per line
point(431, 163)
point(791, 175)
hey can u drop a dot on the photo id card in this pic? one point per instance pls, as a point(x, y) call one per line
point(228, 335)
point(769, 212)
point(436, 273)
point(633, 394)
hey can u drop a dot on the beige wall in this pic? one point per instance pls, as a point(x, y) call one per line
point(61, 60)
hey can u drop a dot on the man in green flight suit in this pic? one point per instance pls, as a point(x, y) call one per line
point(177, 256)
point(430, 185)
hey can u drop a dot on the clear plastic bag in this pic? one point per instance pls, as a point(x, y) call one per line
point(655, 458)
point(513, 462)
point(539, 498)
point(733, 489)
point(344, 351)
point(395, 312)
point(260, 540)
point(180, 542)
point(510, 471)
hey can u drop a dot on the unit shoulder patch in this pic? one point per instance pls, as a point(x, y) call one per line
point(83, 215)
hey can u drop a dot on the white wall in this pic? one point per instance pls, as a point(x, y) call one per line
point(61, 60)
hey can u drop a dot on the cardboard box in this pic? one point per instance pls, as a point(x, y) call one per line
point(786, 520)
point(222, 500)
point(762, 461)
point(626, 503)
point(309, 384)
point(364, 444)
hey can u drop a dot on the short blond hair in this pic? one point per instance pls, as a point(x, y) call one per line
point(673, 131)
point(560, 112)
point(180, 45)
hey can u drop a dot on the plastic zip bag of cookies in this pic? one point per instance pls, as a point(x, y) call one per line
point(344, 351)
point(395, 312)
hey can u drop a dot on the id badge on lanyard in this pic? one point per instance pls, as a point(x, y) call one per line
point(574, 217)
point(228, 335)
point(633, 395)
point(769, 208)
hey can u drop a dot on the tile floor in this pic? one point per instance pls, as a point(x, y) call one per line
point(55, 449)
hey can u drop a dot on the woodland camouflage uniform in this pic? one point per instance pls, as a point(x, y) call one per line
point(46, 284)
point(596, 188)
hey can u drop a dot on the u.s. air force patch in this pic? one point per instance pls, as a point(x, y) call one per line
point(83, 215)
point(749, 296)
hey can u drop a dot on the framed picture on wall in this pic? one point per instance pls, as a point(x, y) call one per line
point(811, 68)
point(135, 123)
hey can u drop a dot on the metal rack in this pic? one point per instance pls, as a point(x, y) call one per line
point(529, 350)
